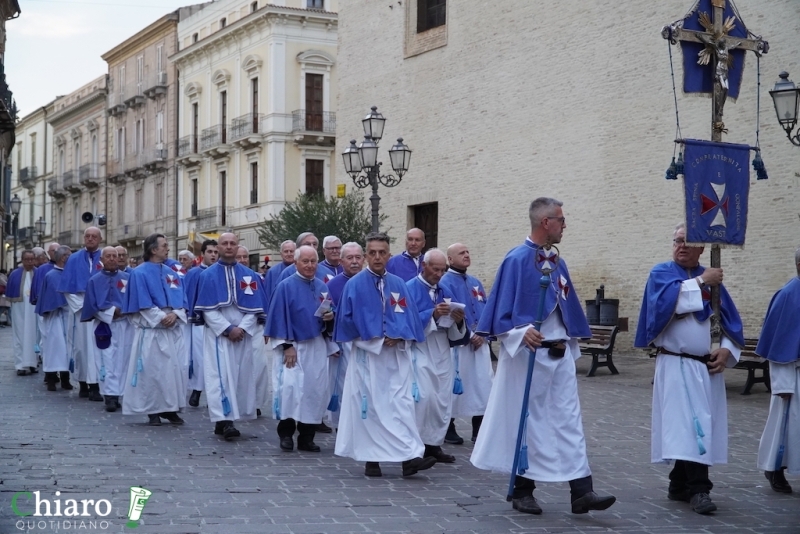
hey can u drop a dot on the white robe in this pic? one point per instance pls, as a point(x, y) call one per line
point(81, 338)
point(434, 373)
point(673, 434)
point(554, 428)
point(475, 370)
point(337, 372)
point(784, 378)
point(261, 369)
point(159, 385)
point(195, 351)
point(23, 323)
point(56, 352)
point(228, 366)
point(301, 393)
point(112, 362)
point(380, 376)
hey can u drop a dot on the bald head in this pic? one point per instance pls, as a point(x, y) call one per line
point(415, 242)
point(458, 256)
point(228, 247)
point(434, 265)
point(92, 238)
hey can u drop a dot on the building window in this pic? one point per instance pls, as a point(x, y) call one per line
point(121, 208)
point(160, 129)
point(159, 59)
point(314, 102)
point(223, 22)
point(253, 7)
point(223, 115)
point(159, 200)
point(194, 198)
point(138, 204)
point(95, 151)
point(315, 4)
point(195, 126)
point(430, 14)
point(254, 182)
point(223, 197)
point(254, 97)
point(33, 151)
point(76, 162)
point(426, 218)
point(315, 182)
point(195, 37)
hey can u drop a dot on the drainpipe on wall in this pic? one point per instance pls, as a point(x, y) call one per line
point(177, 133)
point(105, 142)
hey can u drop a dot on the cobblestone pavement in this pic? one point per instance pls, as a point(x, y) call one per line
point(56, 442)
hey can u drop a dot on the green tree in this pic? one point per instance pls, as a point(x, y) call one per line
point(347, 218)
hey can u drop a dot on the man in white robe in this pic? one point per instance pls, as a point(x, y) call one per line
point(194, 342)
point(23, 316)
point(230, 301)
point(690, 414)
point(52, 309)
point(156, 306)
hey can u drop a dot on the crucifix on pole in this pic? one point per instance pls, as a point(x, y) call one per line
point(722, 38)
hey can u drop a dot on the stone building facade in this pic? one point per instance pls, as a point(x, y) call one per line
point(258, 86)
point(503, 102)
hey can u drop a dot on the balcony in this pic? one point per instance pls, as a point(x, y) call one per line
point(25, 235)
point(134, 165)
point(70, 182)
point(211, 219)
point(314, 127)
point(90, 175)
point(27, 177)
point(116, 170)
point(55, 188)
point(155, 159)
point(116, 103)
point(156, 85)
point(246, 130)
point(214, 140)
point(135, 95)
point(71, 238)
point(188, 151)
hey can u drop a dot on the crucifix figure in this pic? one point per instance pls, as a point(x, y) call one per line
point(718, 43)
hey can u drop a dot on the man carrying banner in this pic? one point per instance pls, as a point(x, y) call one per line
point(779, 449)
point(690, 417)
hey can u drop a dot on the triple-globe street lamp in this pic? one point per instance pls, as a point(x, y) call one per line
point(364, 157)
point(786, 97)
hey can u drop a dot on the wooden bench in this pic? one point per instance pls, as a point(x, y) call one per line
point(601, 345)
point(750, 361)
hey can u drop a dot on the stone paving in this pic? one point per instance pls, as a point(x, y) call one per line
point(56, 442)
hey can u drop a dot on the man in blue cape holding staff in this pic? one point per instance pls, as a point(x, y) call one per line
point(554, 447)
point(690, 414)
point(779, 449)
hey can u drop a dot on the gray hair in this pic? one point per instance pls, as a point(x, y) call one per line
point(247, 250)
point(287, 242)
point(186, 253)
point(433, 252)
point(541, 207)
point(352, 244)
point(330, 239)
point(679, 226)
point(61, 251)
point(797, 260)
point(299, 251)
point(38, 252)
point(303, 236)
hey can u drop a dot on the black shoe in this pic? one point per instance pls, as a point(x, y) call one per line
point(172, 417)
point(34, 370)
point(437, 452)
point(23, 372)
point(64, 375)
point(683, 496)
point(229, 431)
point(154, 419)
point(84, 390)
point(778, 482)
point(411, 467)
point(452, 437)
point(323, 428)
point(51, 386)
point(117, 403)
point(219, 428)
point(702, 504)
point(194, 399)
point(287, 444)
point(526, 505)
point(94, 393)
point(308, 446)
point(258, 412)
point(592, 501)
point(111, 404)
point(373, 469)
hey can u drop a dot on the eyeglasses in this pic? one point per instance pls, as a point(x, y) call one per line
point(679, 242)
point(562, 220)
point(333, 248)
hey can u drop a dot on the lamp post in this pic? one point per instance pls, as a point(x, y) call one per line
point(786, 97)
point(16, 204)
point(364, 157)
point(40, 226)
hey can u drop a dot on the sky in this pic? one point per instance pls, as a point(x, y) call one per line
point(54, 47)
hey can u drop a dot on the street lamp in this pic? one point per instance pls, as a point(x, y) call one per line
point(16, 204)
point(364, 157)
point(41, 226)
point(786, 97)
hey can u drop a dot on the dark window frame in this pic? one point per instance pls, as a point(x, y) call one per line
point(431, 14)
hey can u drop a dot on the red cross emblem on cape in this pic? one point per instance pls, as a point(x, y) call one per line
point(328, 278)
point(172, 281)
point(563, 287)
point(547, 259)
point(248, 285)
point(98, 266)
point(324, 296)
point(178, 269)
point(398, 303)
point(122, 285)
point(708, 204)
point(478, 294)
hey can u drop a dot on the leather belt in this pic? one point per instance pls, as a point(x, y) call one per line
point(555, 348)
point(702, 359)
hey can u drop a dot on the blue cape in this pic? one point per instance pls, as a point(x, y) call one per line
point(780, 336)
point(176, 266)
point(291, 269)
point(271, 281)
point(104, 290)
point(214, 289)
point(38, 279)
point(14, 284)
point(419, 292)
point(661, 296)
point(469, 290)
point(190, 283)
point(330, 271)
point(153, 285)
point(514, 300)
point(336, 286)
point(80, 267)
point(291, 312)
point(50, 299)
point(403, 266)
point(356, 312)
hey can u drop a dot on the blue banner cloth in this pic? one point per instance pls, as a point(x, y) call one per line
point(700, 78)
point(716, 185)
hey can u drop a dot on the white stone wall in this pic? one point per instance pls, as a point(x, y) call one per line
point(573, 100)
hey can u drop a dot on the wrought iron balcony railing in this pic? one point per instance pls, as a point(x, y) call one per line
point(313, 121)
